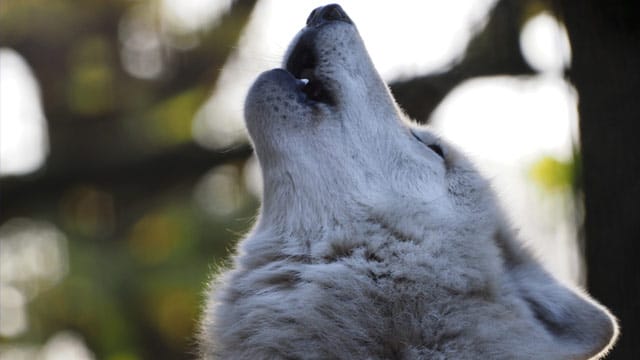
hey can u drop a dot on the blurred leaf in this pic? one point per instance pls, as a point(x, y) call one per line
point(124, 356)
point(174, 312)
point(167, 123)
point(25, 18)
point(91, 87)
point(85, 304)
point(158, 235)
point(552, 174)
point(88, 211)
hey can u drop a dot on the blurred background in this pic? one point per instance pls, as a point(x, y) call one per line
point(126, 174)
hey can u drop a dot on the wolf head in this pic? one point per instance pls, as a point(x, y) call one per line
point(376, 238)
point(330, 136)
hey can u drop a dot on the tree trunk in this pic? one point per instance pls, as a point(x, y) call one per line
point(605, 39)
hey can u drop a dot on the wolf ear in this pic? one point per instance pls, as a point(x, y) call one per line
point(580, 327)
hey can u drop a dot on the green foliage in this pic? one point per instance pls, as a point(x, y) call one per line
point(553, 174)
point(91, 85)
point(136, 294)
point(169, 122)
point(138, 247)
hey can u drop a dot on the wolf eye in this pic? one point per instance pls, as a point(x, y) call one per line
point(434, 147)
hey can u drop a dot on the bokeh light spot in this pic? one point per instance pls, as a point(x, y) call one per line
point(24, 141)
point(220, 192)
point(545, 44)
point(154, 237)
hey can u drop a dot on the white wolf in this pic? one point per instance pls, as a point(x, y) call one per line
point(376, 239)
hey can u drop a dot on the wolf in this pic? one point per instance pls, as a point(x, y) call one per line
point(376, 239)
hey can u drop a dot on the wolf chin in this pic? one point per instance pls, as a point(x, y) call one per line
point(377, 239)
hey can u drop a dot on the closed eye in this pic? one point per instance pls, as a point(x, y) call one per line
point(434, 147)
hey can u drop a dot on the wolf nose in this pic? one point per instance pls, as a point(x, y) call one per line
point(327, 13)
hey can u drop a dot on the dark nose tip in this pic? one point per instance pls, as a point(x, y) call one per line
point(327, 13)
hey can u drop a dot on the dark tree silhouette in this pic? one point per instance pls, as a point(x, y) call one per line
point(493, 50)
point(605, 38)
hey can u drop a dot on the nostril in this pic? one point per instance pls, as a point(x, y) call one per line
point(333, 12)
point(327, 13)
point(312, 15)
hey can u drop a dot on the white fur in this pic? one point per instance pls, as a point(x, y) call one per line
point(371, 246)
